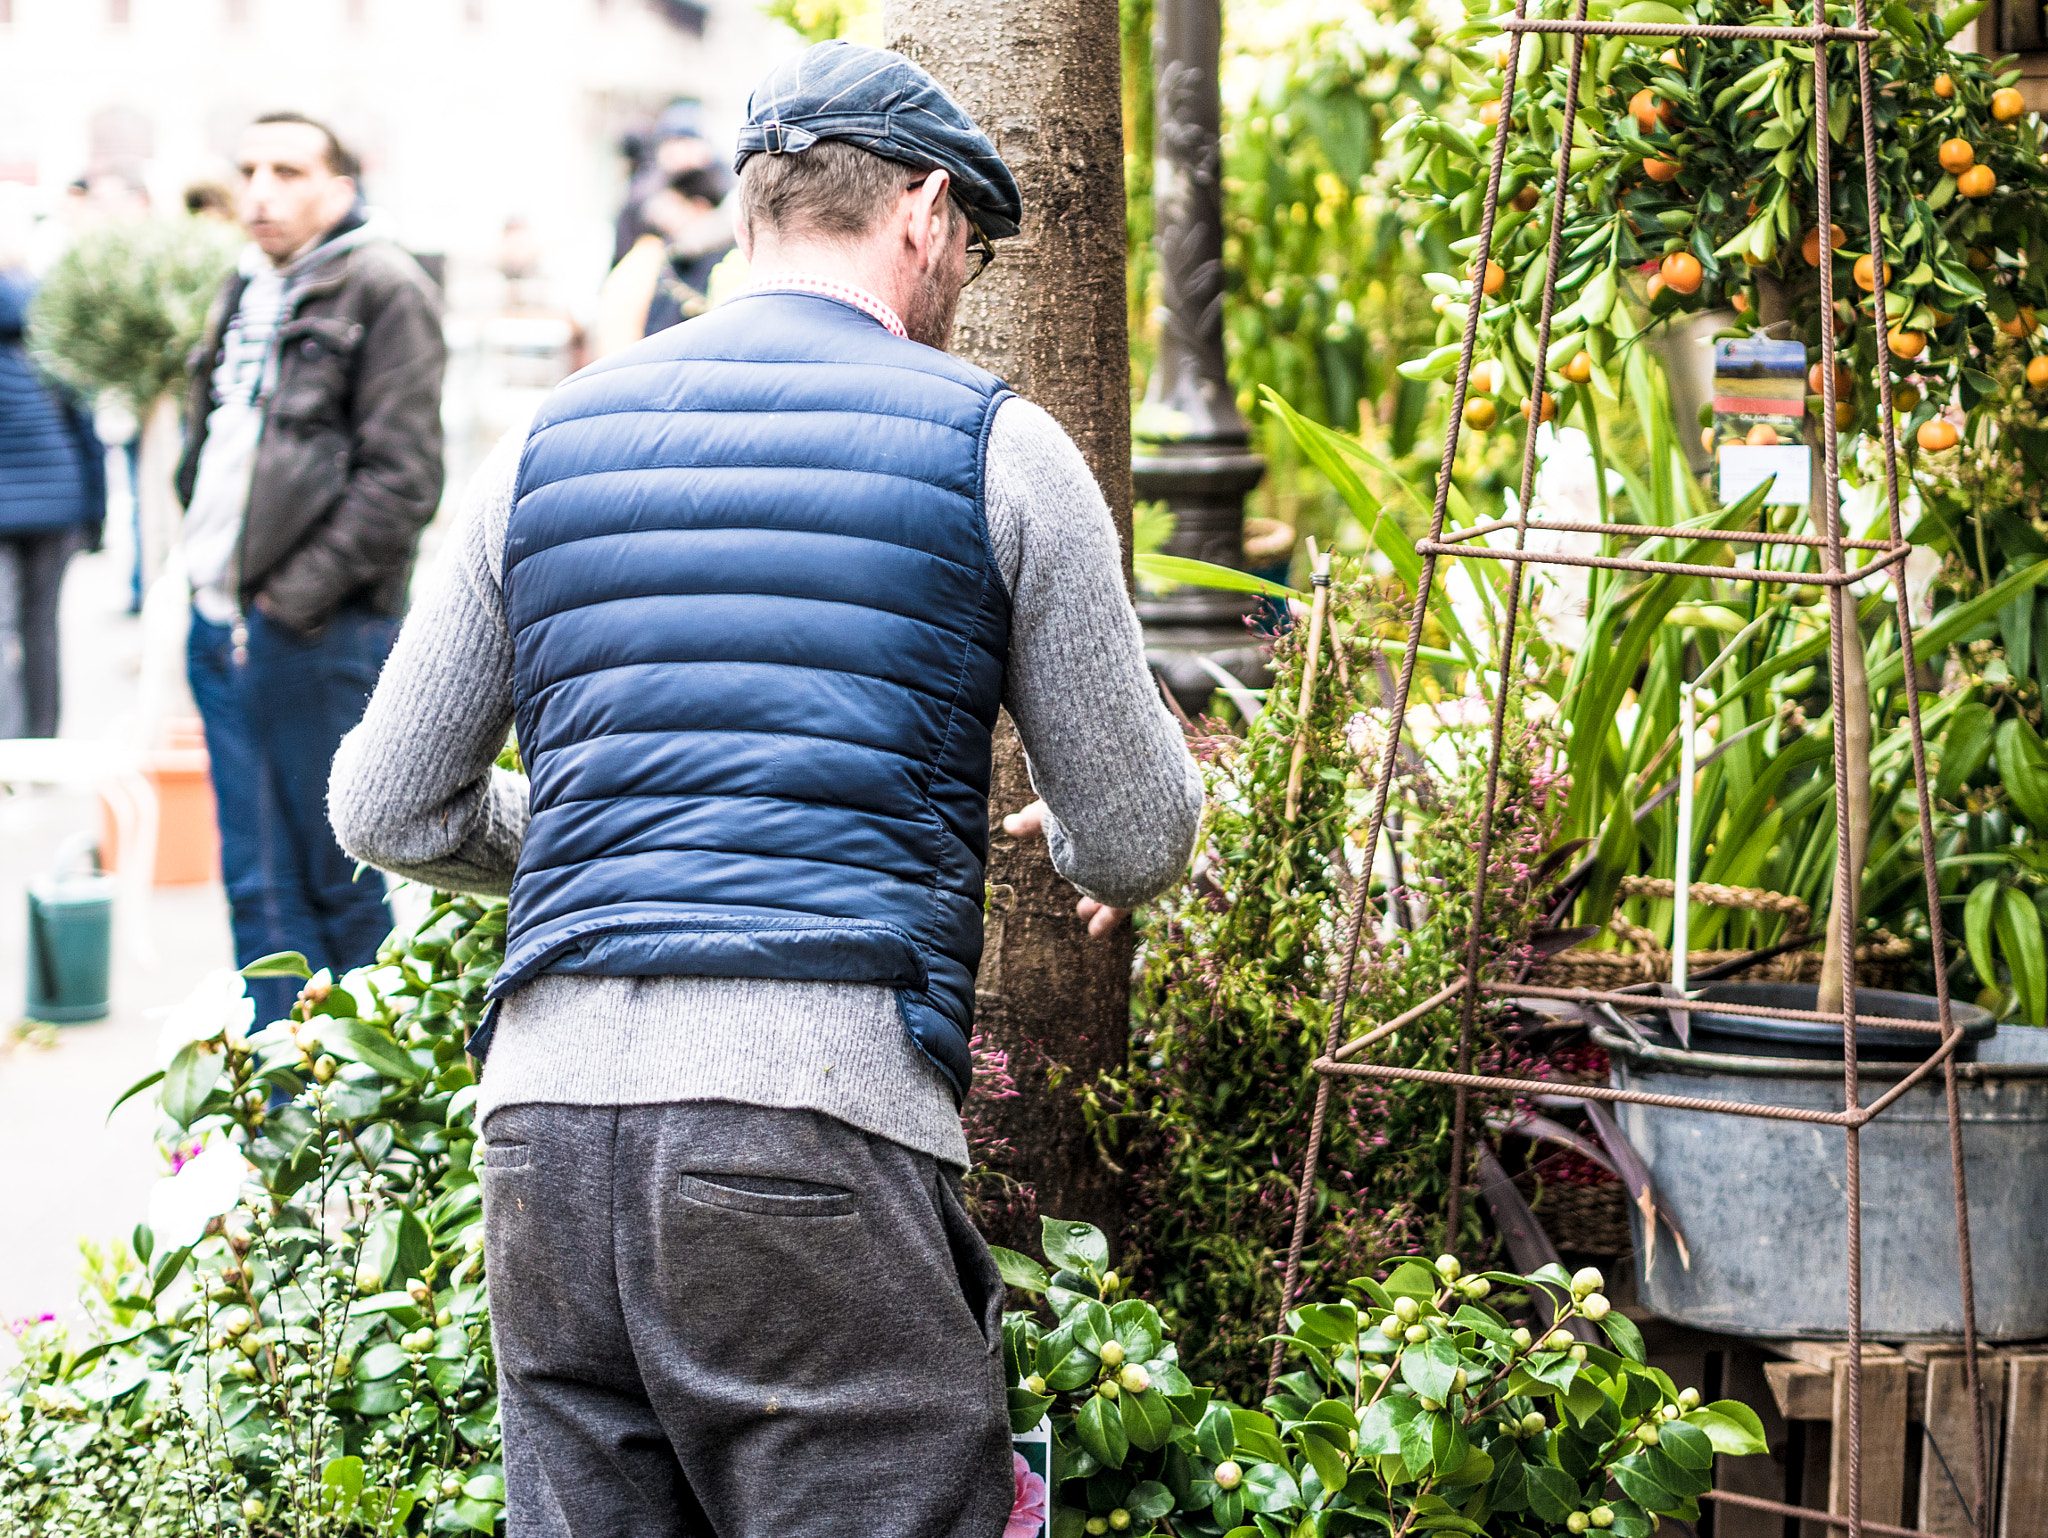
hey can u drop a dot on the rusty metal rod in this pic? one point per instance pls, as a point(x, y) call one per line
point(1436, 1000)
point(1694, 29)
point(1648, 532)
point(1837, 578)
point(1330, 1067)
point(1751, 1011)
point(1758, 1503)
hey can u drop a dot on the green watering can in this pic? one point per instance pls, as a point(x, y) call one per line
point(70, 937)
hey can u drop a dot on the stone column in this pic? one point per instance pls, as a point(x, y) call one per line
point(1203, 471)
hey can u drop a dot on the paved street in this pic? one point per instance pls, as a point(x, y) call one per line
point(72, 1172)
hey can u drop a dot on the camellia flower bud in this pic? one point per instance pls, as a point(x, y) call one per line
point(1577, 1522)
point(1096, 1526)
point(1448, 1268)
point(1431, 1404)
point(1228, 1475)
point(1602, 1516)
point(1458, 1383)
point(451, 1487)
point(1416, 1334)
point(1478, 1288)
point(1522, 1339)
point(1111, 1283)
point(1595, 1306)
point(324, 1069)
point(253, 1509)
point(419, 1291)
point(1134, 1378)
point(1034, 1384)
point(1391, 1327)
point(1533, 1422)
point(1119, 1520)
point(1408, 1310)
point(1560, 1340)
point(1578, 1352)
point(368, 1278)
point(1688, 1399)
point(1107, 1388)
point(1587, 1281)
point(1648, 1434)
point(1669, 1412)
point(1112, 1354)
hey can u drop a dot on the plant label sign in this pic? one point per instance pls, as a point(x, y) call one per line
point(1031, 1512)
point(1760, 419)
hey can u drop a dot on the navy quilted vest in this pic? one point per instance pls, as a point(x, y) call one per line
point(758, 643)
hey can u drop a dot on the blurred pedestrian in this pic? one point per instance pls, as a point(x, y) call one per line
point(312, 463)
point(676, 144)
point(666, 278)
point(53, 501)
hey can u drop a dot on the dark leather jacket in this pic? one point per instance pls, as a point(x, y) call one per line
point(348, 471)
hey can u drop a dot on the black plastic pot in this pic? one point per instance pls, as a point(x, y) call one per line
point(1752, 1036)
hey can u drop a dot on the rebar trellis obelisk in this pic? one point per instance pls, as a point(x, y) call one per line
point(1836, 576)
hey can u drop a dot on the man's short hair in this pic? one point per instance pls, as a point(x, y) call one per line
point(340, 159)
point(832, 190)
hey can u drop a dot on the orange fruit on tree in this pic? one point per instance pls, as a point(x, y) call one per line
point(2037, 372)
point(1480, 414)
point(1905, 398)
point(1978, 258)
point(1740, 302)
point(1580, 369)
point(1707, 439)
point(1937, 435)
point(2007, 104)
point(1977, 182)
point(1549, 407)
point(1670, 56)
point(1944, 86)
point(1845, 415)
point(1761, 436)
point(1489, 112)
point(1906, 344)
point(1496, 278)
point(1655, 286)
point(1650, 109)
point(1866, 274)
point(1682, 273)
point(1486, 377)
point(2021, 324)
point(1526, 199)
point(1956, 156)
point(1844, 381)
point(1810, 247)
point(1659, 170)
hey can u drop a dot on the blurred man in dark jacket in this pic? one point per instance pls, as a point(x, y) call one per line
point(53, 498)
point(313, 463)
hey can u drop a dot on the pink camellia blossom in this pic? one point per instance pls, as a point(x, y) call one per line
point(1027, 1515)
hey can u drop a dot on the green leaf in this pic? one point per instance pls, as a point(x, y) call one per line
point(131, 1092)
point(1147, 1419)
point(1733, 1427)
point(1977, 915)
point(341, 1485)
point(369, 1045)
point(1019, 1271)
point(2018, 923)
point(1432, 1368)
point(1553, 1494)
point(380, 1361)
point(1026, 1409)
point(1193, 573)
point(1136, 1326)
point(1637, 1478)
point(1215, 1437)
point(1379, 1428)
point(189, 1080)
point(278, 964)
point(1960, 17)
point(1148, 1501)
point(1269, 1487)
point(1078, 1246)
point(1412, 1279)
point(1332, 1466)
point(1101, 1430)
point(1964, 747)
point(2023, 770)
point(1255, 1436)
point(1628, 1340)
point(1687, 1446)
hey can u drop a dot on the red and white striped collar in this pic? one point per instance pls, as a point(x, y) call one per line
point(832, 288)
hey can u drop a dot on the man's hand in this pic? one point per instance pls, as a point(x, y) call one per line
point(1030, 823)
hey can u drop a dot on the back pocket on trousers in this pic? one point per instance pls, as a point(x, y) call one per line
point(769, 1198)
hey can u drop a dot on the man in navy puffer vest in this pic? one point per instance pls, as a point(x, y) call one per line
point(754, 591)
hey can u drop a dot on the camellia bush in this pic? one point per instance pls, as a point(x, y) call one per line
point(1430, 1401)
point(301, 1346)
point(1693, 163)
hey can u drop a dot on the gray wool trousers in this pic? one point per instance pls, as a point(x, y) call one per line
point(727, 1321)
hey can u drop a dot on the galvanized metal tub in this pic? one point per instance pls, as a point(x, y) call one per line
point(1762, 1204)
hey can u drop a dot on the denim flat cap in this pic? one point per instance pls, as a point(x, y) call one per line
point(886, 105)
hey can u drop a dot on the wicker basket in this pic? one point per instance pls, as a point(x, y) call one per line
point(1586, 1220)
point(1879, 964)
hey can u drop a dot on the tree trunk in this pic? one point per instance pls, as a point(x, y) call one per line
point(1043, 78)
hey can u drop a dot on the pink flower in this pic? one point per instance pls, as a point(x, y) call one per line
point(1027, 1515)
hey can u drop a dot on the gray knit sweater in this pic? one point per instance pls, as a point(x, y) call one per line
point(414, 792)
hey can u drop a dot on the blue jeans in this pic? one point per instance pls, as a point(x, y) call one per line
point(274, 717)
